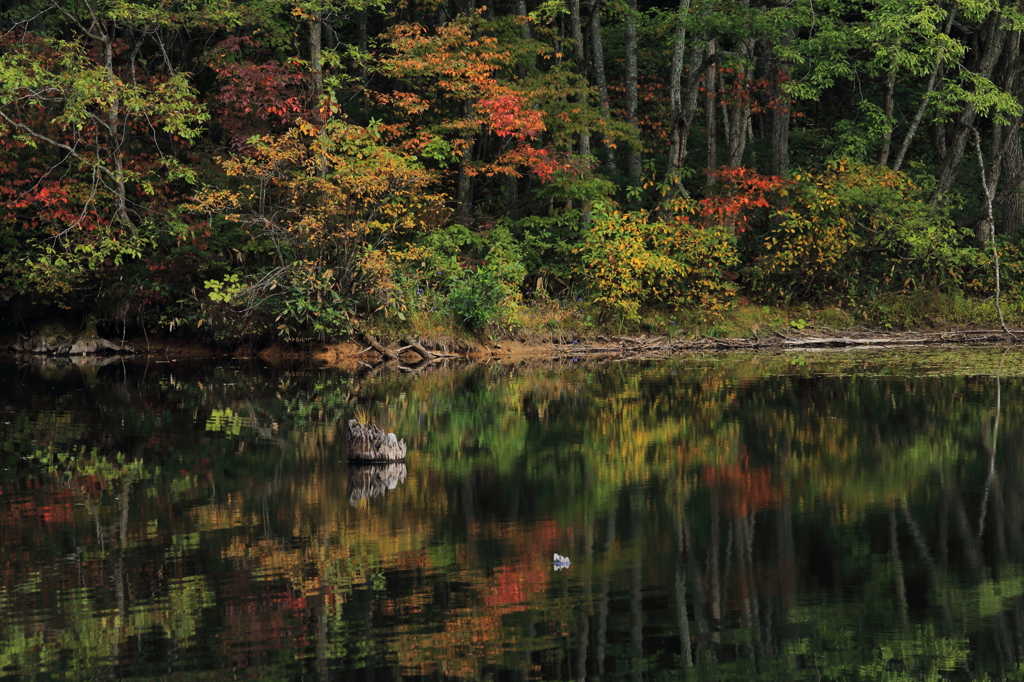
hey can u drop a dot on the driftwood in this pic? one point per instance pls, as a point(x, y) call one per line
point(656, 346)
point(384, 352)
point(372, 480)
point(423, 352)
point(367, 443)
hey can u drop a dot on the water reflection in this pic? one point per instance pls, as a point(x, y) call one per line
point(727, 518)
point(372, 480)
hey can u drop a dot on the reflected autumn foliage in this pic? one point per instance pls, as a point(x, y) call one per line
point(719, 514)
point(745, 489)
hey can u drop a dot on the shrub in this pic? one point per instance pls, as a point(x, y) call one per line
point(629, 260)
point(853, 231)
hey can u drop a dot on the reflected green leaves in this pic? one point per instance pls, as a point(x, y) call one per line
point(728, 518)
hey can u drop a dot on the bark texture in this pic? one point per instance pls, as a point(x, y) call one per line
point(367, 443)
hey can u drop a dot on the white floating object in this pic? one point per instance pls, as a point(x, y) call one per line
point(560, 561)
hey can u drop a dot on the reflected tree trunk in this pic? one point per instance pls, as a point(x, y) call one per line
point(679, 524)
point(602, 613)
point(636, 614)
point(936, 573)
point(713, 575)
point(899, 585)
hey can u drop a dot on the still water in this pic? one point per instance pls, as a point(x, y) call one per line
point(830, 517)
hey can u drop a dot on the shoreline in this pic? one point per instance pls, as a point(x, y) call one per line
point(350, 355)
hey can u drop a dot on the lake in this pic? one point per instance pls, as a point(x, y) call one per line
point(847, 516)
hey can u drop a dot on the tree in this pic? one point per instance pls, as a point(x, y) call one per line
point(329, 200)
point(93, 134)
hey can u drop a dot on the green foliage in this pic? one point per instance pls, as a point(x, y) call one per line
point(477, 277)
point(629, 260)
point(334, 137)
point(853, 231)
point(489, 293)
point(224, 290)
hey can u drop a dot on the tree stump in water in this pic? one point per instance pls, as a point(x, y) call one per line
point(371, 480)
point(367, 443)
point(54, 339)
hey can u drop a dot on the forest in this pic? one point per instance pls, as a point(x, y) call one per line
point(247, 170)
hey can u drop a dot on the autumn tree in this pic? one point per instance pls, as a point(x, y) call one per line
point(323, 203)
point(91, 136)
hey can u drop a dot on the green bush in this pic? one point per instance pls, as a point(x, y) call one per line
point(854, 231)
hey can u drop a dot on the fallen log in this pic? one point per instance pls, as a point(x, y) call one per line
point(384, 352)
point(848, 341)
point(423, 352)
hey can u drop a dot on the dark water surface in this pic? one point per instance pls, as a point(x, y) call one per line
point(853, 517)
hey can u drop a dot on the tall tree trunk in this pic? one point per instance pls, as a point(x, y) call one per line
point(117, 134)
point(522, 12)
point(316, 33)
point(464, 188)
point(887, 108)
point(632, 95)
point(711, 120)
point(600, 79)
point(675, 77)
point(779, 117)
point(736, 119)
point(579, 55)
point(994, 42)
point(1011, 156)
point(1012, 207)
point(700, 60)
point(908, 137)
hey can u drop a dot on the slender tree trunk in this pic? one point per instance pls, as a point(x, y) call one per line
point(600, 80)
point(579, 55)
point(700, 60)
point(887, 107)
point(736, 120)
point(995, 40)
point(116, 133)
point(464, 186)
point(632, 95)
point(316, 32)
point(933, 80)
point(779, 117)
point(711, 125)
point(987, 228)
point(918, 115)
point(675, 76)
point(464, 189)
